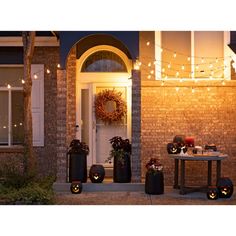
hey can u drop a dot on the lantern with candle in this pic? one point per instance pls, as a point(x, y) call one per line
point(189, 141)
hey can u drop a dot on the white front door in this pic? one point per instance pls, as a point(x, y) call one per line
point(95, 132)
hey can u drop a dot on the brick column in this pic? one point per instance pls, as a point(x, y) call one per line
point(136, 126)
point(61, 126)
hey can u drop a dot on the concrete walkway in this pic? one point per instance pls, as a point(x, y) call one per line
point(170, 197)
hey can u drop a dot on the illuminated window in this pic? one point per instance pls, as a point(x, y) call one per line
point(104, 61)
point(11, 106)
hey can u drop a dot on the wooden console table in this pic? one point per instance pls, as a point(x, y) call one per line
point(182, 158)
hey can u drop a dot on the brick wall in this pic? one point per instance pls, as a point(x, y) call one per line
point(209, 116)
point(71, 95)
point(46, 156)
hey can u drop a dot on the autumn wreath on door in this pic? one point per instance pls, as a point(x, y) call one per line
point(110, 106)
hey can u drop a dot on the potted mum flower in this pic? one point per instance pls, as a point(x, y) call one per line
point(154, 181)
point(78, 152)
point(121, 152)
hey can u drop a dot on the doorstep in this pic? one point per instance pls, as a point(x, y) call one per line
point(102, 187)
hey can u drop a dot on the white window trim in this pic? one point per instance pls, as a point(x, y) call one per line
point(227, 53)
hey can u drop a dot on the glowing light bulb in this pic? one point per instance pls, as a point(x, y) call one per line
point(181, 80)
point(193, 90)
point(166, 77)
point(161, 50)
point(188, 59)
point(48, 71)
point(182, 67)
point(202, 60)
point(139, 63)
point(163, 69)
point(177, 89)
point(175, 55)
point(149, 64)
point(223, 82)
point(210, 66)
point(20, 124)
point(177, 73)
point(216, 60)
point(162, 83)
point(15, 125)
point(152, 71)
point(149, 77)
point(195, 80)
point(35, 76)
point(58, 65)
point(208, 89)
point(197, 67)
point(155, 62)
point(169, 65)
point(8, 86)
point(148, 43)
point(210, 77)
point(22, 81)
point(4, 127)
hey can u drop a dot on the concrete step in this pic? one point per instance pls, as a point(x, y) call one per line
point(101, 187)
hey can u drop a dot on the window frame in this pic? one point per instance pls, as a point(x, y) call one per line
point(158, 56)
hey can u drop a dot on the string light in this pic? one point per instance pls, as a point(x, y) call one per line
point(162, 83)
point(22, 81)
point(169, 65)
point(148, 43)
point(175, 55)
point(149, 77)
point(197, 67)
point(163, 69)
point(188, 59)
point(8, 86)
point(202, 60)
point(181, 80)
point(58, 65)
point(48, 71)
point(35, 76)
point(217, 60)
point(177, 73)
point(193, 90)
point(149, 64)
point(161, 50)
point(210, 66)
point(177, 89)
point(152, 71)
point(182, 67)
point(208, 89)
point(223, 82)
point(20, 124)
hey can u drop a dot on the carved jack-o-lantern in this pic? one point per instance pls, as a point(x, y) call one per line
point(225, 187)
point(212, 193)
point(76, 187)
point(97, 173)
point(173, 148)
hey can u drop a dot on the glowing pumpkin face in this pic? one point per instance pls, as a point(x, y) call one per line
point(76, 187)
point(96, 173)
point(173, 148)
point(212, 193)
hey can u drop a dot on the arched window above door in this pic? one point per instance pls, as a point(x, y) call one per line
point(104, 61)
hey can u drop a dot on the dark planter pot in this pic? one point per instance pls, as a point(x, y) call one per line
point(122, 171)
point(97, 173)
point(77, 167)
point(154, 183)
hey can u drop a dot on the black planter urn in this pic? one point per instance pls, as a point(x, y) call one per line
point(77, 167)
point(97, 173)
point(154, 182)
point(122, 169)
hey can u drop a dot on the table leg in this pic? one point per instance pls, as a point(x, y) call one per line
point(218, 170)
point(182, 177)
point(209, 173)
point(176, 174)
